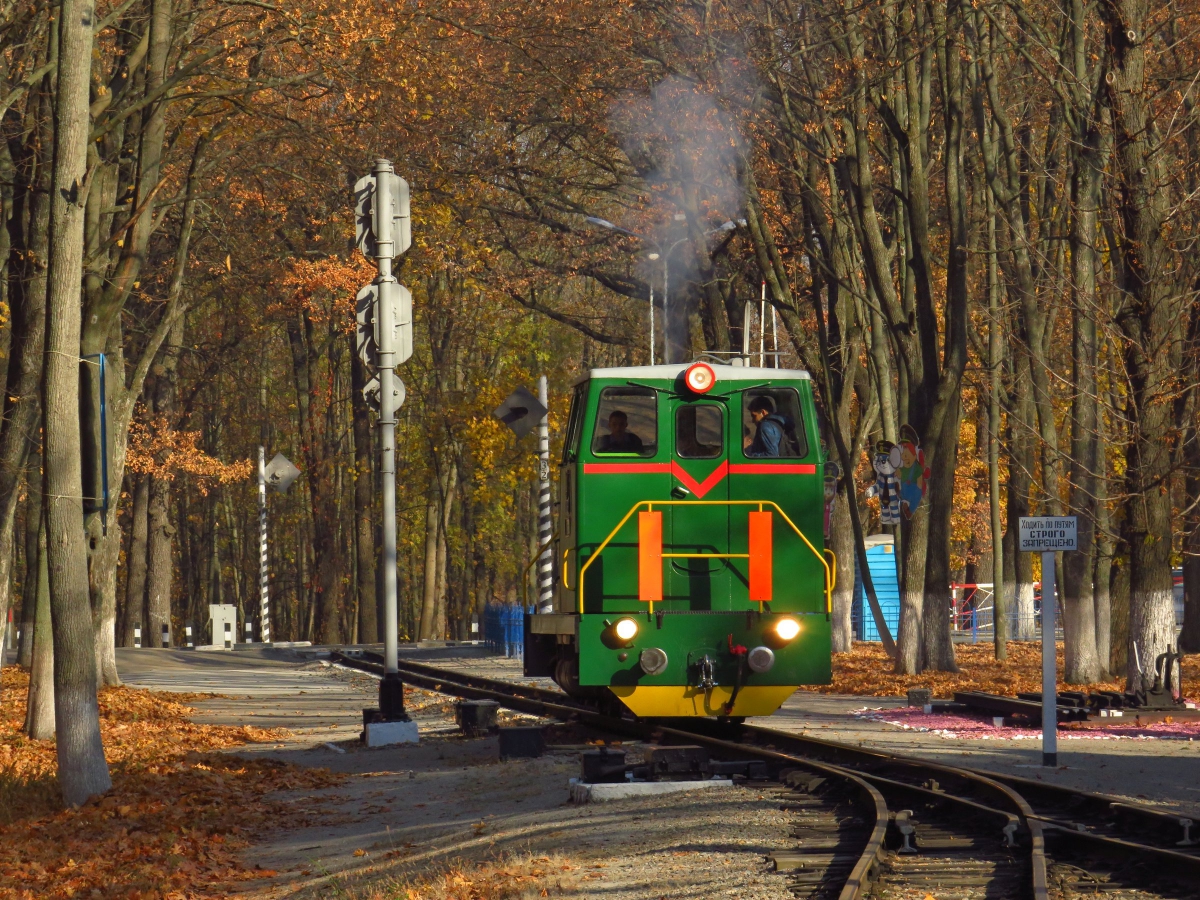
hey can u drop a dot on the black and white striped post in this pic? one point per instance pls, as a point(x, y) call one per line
point(545, 566)
point(265, 627)
point(137, 638)
point(166, 635)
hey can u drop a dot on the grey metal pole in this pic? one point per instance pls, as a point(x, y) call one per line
point(545, 565)
point(265, 615)
point(667, 307)
point(1049, 658)
point(385, 332)
point(652, 320)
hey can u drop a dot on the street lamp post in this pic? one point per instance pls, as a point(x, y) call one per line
point(729, 225)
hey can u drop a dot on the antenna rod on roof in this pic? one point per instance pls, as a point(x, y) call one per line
point(762, 327)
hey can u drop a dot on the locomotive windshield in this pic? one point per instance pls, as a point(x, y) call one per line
point(626, 422)
point(772, 425)
point(699, 431)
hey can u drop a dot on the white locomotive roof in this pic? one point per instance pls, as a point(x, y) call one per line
point(723, 372)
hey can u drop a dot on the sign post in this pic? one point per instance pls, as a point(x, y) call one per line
point(1048, 535)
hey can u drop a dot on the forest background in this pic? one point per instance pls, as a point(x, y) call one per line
point(976, 220)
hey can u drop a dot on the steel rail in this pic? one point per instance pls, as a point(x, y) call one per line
point(1048, 816)
point(1038, 801)
point(538, 701)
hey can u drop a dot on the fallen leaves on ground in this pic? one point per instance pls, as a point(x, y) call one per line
point(174, 822)
point(867, 670)
point(541, 876)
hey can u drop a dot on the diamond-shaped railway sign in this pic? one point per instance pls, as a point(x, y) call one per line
point(521, 411)
point(281, 472)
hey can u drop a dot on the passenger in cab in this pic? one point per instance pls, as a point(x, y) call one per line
point(771, 429)
point(619, 438)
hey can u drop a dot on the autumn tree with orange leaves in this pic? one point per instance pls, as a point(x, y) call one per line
point(972, 220)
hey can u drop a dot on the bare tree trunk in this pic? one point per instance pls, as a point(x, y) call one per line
point(82, 769)
point(1082, 660)
point(135, 572)
point(1189, 638)
point(1118, 648)
point(160, 539)
point(1150, 319)
point(160, 567)
point(443, 593)
point(39, 712)
point(449, 491)
point(364, 508)
point(938, 641)
point(27, 299)
point(33, 520)
point(1020, 469)
point(841, 539)
point(1000, 601)
point(429, 592)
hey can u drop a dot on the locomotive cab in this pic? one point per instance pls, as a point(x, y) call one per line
point(692, 579)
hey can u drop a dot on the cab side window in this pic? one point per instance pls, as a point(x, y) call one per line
point(772, 424)
point(574, 424)
point(626, 422)
point(699, 431)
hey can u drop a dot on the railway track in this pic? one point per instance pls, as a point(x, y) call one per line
point(872, 824)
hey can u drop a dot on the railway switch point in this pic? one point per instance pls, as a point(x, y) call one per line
point(522, 742)
point(476, 717)
point(602, 766)
point(907, 828)
point(683, 762)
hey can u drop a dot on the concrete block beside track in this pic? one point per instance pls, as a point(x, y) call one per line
point(582, 792)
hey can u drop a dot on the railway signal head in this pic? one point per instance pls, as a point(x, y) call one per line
point(382, 219)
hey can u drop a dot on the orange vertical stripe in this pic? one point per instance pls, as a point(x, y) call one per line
point(761, 572)
point(650, 566)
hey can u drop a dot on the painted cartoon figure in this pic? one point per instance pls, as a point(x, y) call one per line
point(885, 463)
point(914, 474)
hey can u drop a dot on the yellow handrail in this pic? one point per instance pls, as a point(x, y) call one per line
point(830, 573)
point(566, 587)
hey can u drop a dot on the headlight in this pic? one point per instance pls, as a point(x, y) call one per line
point(626, 629)
point(786, 629)
point(700, 378)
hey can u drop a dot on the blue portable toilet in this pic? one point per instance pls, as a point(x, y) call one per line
point(881, 558)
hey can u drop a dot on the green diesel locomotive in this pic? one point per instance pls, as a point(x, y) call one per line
point(692, 578)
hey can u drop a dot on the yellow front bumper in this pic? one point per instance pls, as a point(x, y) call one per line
point(686, 700)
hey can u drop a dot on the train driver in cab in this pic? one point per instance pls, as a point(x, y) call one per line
point(770, 434)
point(619, 438)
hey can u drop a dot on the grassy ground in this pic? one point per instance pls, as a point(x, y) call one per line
point(867, 670)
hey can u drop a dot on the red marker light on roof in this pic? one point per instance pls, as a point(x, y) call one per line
point(700, 378)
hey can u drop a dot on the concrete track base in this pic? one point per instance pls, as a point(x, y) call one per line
point(383, 734)
point(582, 792)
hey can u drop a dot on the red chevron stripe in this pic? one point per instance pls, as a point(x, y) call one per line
point(773, 469)
point(624, 468)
